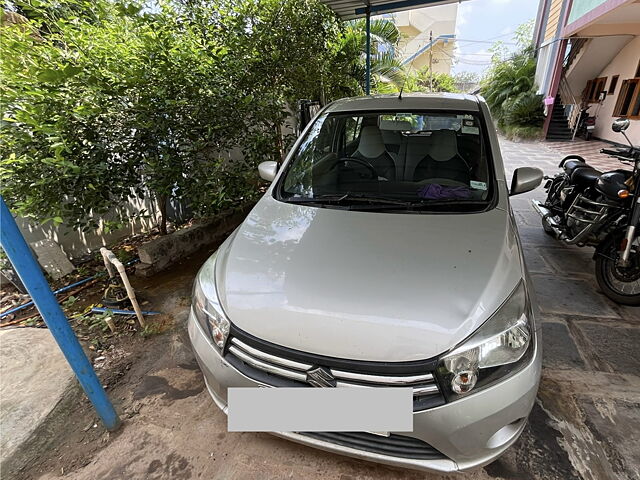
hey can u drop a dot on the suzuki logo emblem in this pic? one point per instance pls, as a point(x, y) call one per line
point(320, 377)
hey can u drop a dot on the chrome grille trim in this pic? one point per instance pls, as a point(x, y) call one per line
point(425, 390)
point(285, 362)
point(283, 372)
point(388, 380)
point(423, 384)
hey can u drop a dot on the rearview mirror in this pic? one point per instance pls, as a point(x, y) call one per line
point(525, 179)
point(620, 125)
point(268, 170)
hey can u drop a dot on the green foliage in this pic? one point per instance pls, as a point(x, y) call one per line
point(98, 321)
point(60, 153)
point(69, 302)
point(467, 82)
point(517, 133)
point(386, 67)
point(106, 100)
point(421, 81)
point(151, 329)
point(509, 85)
point(523, 110)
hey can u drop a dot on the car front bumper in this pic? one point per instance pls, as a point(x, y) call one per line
point(470, 432)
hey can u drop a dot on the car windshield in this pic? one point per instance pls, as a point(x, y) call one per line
point(392, 160)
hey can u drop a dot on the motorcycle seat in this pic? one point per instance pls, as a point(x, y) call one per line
point(571, 165)
point(585, 177)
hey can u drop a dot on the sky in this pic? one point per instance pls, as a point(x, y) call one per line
point(487, 20)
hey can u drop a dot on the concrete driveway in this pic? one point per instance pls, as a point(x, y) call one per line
point(585, 424)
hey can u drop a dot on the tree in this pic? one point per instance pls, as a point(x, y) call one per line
point(386, 67)
point(421, 81)
point(62, 154)
point(115, 100)
point(509, 81)
point(466, 81)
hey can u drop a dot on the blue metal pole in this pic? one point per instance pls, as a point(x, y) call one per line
point(367, 87)
point(29, 272)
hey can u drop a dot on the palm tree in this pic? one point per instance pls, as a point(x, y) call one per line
point(508, 79)
point(385, 64)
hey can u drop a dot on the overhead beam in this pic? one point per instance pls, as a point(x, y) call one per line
point(388, 7)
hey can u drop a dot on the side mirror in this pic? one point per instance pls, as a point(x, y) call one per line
point(268, 170)
point(620, 125)
point(525, 179)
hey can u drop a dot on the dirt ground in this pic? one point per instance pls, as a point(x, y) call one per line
point(73, 434)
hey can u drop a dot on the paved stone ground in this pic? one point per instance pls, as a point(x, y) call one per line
point(590, 151)
point(591, 384)
point(585, 424)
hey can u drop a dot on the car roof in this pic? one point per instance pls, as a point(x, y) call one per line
point(409, 101)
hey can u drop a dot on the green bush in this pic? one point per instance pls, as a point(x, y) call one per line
point(517, 133)
point(509, 85)
point(104, 100)
point(523, 110)
point(421, 81)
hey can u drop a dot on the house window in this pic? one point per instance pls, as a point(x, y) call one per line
point(613, 85)
point(591, 93)
point(628, 103)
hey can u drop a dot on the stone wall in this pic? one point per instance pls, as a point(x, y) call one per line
point(163, 252)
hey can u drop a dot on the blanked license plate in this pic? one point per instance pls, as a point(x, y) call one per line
point(375, 410)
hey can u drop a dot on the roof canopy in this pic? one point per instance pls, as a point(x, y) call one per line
point(349, 9)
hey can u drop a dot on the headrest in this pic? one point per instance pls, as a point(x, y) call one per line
point(444, 145)
point(371, 144)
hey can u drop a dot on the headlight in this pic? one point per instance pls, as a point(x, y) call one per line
point(207, 308)
point(494, 351)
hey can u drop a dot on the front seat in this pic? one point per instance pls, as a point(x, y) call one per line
point(371, 149)
point(443, 160)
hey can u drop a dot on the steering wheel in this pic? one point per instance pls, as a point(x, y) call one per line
point(364, 163)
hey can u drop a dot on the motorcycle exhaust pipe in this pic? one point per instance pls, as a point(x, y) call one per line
point(547, 217)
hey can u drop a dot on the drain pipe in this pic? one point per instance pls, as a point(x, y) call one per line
point(60, 290)
point(110, 261)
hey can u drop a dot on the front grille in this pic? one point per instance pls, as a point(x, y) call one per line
point(393, 445)
point(282, 367)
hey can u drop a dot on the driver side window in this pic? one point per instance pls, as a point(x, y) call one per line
point(318, 146)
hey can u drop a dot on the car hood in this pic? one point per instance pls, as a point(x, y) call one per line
point(366, 285)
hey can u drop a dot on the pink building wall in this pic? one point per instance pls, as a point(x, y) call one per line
point(625, 65)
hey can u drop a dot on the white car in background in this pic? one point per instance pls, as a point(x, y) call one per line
point(384, 253)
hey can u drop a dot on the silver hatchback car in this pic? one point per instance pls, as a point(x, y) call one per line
point(384, 254)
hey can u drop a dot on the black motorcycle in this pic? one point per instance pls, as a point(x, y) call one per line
point(585, 207)
point(586, 124)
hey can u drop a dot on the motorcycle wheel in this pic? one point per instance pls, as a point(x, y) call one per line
point(620, 284)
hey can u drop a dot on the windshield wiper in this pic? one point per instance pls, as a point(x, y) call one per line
point(425, 204)
point(373, 202)
point(348, 198)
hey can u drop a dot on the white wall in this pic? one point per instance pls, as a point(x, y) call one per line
point(76, 243)
point(415, 27)
point(623, 64)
